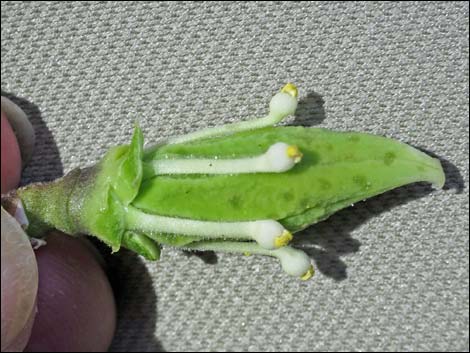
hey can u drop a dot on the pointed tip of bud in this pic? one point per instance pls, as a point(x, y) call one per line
point(309, 274)
point(290, 89)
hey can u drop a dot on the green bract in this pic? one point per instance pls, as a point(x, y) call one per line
point(244, 187)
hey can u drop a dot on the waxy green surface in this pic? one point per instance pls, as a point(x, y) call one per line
point(336, 170)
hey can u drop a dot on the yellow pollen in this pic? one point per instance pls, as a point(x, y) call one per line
point(294, 153)
point(307, 275)
point(247, 253)
point(283, 239)
point(291, 89)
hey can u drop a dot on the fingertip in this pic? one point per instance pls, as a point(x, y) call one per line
point(11, 157)
point(19, 284)
point(22, 128)
point(21, 340)
point(76, 307)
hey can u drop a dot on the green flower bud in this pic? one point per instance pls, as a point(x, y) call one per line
point(232, 183)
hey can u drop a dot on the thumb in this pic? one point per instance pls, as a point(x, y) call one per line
point(19, 285)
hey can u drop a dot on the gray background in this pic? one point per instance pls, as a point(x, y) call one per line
point(392, 273)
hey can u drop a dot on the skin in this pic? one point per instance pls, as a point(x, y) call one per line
point(11, 157)
point(76, 309)
point(19, 285)
point(19, 267)
point(57, 298)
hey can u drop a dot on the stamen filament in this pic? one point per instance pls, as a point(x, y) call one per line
point(293, 261)
point(281, 105)
point(227, 129)
point(268, 233)
point(279, 158)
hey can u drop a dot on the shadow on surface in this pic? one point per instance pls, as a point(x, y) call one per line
point(310, 110)
point(45, 164)
point(332, 238)
point(208, 257)
point(136, 302)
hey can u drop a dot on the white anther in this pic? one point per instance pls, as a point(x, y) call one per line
point(278, 158)
point(282, 104)
point(294, 262)
point(265, 233)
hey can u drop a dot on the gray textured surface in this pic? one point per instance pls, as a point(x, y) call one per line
point(392, 272)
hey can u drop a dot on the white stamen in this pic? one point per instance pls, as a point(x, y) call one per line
point(265, 232)
point(293, 261)
point(276, 160)
point(268, 233)
point(282, 105)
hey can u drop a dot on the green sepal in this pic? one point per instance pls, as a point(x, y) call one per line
point(128, 175)
point(91, 200)
point(115, 185)
point(142, 245)
point(105, 219)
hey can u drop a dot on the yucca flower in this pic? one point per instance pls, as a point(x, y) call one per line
point(244, 188)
